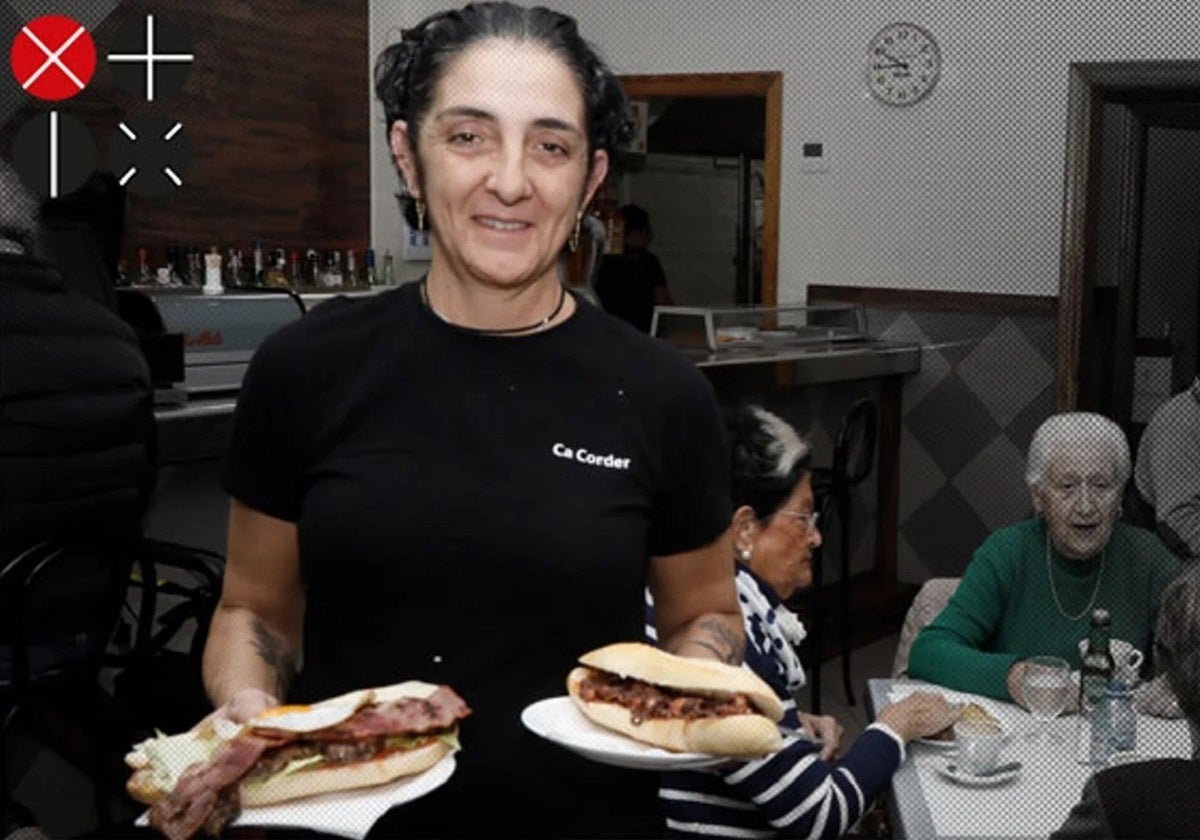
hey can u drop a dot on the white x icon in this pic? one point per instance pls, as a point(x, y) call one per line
point(53, 57)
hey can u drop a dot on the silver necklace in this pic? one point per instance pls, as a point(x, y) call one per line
point(1054, 591)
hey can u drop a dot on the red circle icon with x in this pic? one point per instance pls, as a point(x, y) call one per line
point(53, 57)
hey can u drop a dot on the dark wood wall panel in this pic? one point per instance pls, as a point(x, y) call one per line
point(276, 107)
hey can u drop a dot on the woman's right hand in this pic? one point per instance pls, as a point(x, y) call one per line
point(919, 715)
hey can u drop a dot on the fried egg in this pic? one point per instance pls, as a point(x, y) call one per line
point(298, 718)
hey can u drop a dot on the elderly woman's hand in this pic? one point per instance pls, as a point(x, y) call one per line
point(825, 729)
point(919, 715)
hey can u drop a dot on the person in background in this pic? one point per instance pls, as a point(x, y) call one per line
point(798, 792)
point(632, 283)
point(76, 423)
point(1031, 587)
point(1154, 798)
point(1167, 471)
point(469, 480)
point(76, 405)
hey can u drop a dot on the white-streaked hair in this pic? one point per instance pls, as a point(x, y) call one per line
point(1074, 431)
point(786, 446)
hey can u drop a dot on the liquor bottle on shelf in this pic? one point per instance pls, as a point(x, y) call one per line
point(257, 278)
point(145, 277)
point(333, 270)
point(350, 278)
point(174, 272)
point(195, 267)
point(369, 277)
point(234, 269)
point(312, 265)
point(274, 276)
point(295, 275)
point(212, 272)
point(389, 270)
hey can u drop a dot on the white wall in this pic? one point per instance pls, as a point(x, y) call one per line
point(962, 191)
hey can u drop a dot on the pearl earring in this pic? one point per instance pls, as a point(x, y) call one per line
point(744, 554)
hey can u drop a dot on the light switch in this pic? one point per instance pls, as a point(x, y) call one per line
point(812, 158)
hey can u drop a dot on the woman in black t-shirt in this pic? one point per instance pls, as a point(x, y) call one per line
point(468, 480)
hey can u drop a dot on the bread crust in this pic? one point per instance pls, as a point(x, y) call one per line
point(311, 782)
point(736, 736)
point(706, 677)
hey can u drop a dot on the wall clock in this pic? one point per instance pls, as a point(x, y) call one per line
point(903, 64)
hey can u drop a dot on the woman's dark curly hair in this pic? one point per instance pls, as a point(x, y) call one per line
point(407, 73)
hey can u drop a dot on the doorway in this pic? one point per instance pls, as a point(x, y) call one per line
point(1128, 309)
point(736, 118)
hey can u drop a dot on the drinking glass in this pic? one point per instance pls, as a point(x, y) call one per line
point(1047, 688)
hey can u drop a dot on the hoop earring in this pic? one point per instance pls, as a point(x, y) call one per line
point(573, 242)
point(420, 214)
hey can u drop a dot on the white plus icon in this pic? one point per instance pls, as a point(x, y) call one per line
point(150, 57)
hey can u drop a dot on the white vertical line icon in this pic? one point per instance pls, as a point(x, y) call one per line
point(54, 154)
point(149, 58)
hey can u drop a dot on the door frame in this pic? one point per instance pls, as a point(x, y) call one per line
point(1091, 85)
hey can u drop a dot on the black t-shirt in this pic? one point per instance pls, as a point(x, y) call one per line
point(626, 284)
point(479, 511)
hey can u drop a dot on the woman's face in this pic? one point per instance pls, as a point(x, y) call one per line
point(504, 163)
point(781, 548)
point(1080, 498)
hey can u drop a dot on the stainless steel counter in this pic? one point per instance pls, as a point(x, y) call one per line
point(196, 429)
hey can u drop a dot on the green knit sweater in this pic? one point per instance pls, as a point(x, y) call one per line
point(1003, 609)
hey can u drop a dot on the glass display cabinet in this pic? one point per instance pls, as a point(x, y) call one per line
point(741, 328)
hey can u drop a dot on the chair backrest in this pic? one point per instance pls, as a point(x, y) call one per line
point(930, 599)
point(854, 447)
point(62, 595)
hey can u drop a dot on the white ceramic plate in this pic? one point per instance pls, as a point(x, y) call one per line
point(950, 770)
point(557, 719)
point(346, 813)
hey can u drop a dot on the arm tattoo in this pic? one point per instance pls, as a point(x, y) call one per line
point(720, 640)
point(272, 651)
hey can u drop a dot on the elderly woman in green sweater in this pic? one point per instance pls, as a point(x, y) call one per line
point(1031, 587)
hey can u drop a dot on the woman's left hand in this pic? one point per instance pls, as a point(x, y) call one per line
point(825, 729)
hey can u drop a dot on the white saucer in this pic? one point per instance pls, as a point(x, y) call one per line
point(957, 775)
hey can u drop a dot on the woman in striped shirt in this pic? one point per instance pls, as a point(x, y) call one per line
point(800, 791)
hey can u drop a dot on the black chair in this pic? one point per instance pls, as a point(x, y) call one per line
point(853, 458)
point(59, 604)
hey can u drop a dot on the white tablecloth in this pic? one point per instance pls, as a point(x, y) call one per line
point(1037, 801)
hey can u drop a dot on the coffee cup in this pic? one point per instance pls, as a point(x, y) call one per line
point(979, 743)
point(1127, 660)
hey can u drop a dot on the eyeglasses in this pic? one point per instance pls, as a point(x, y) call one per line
point(809, 520)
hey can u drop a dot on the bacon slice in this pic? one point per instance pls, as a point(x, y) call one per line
point(182, 812)
point(202, 798)
point(646, 701)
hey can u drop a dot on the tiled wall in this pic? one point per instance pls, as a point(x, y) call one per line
point(985, 384)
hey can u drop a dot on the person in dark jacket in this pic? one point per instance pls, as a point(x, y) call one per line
point(76, 403)
point(1154, 798)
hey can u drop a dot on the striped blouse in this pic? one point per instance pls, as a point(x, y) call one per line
point(793, 793)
